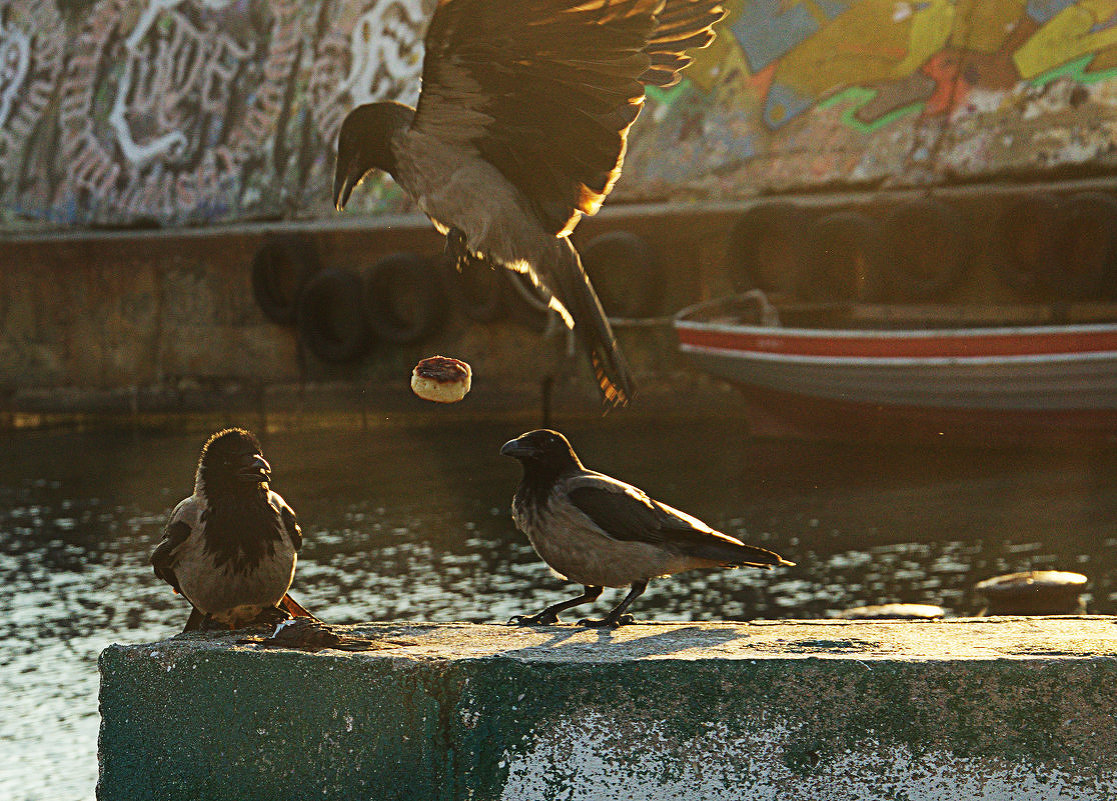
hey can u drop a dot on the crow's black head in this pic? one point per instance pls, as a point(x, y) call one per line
point(542, 449)
point(231, 460)
point(364, 144)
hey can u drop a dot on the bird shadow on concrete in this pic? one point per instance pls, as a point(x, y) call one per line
point(578, 639)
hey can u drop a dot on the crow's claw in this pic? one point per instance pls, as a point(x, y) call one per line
point(542, 619)
point(456, 247)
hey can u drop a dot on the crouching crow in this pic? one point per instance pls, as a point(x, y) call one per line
point(521, 128)
point(230, 548)
point(601, 532)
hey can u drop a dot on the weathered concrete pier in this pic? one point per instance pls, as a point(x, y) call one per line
point(995, 708)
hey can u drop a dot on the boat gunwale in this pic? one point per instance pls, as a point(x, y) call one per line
point(903, 361)
point(896, 333)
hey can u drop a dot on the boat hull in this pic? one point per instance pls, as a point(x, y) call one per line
point(1030, 383)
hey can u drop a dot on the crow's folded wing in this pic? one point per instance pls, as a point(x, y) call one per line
point(162, 558)
point(287, 515)
point(183, 519)
point(624, 512)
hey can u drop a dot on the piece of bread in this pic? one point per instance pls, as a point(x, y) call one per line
point(441, 379)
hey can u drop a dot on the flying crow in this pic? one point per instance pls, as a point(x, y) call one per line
point(521, 128)
point(601, 532)
point(230, 548)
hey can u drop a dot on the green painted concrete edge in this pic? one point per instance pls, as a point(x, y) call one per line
point(198, 719)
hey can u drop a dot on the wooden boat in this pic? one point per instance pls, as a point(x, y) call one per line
point(1030, 373)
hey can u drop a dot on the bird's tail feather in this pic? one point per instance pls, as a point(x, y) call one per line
point(739, 555)
point(576, 293)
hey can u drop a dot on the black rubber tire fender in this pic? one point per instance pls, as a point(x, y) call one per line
point(928, 247)
point(331, 317)
point(625, 273)
point(280, 269)
point(1028, 243)
point(765, 248)
point(477, 288)
point(843, 259)
point(404, 299)
point(1089, 267)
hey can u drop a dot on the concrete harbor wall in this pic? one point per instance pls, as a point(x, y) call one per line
point(1012, 709)
point(172, 319)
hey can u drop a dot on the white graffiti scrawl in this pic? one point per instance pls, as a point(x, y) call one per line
point(169, 107)
point(31, 54)
point(387, 54)
point(162, 69)
point(373, 51)
point(15, 63)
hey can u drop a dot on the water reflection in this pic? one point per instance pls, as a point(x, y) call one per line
point(414, 523)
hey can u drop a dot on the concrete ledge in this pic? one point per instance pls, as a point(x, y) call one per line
point(991, 708)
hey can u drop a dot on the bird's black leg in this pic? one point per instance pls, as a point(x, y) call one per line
point(197, 620)
point(456, 247)
point(617, 617)
point(549, 616)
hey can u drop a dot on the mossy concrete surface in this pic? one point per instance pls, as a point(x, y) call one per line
point(990, 708)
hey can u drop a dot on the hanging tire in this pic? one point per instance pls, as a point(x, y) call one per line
point(625, 273)
point(1028, 243)
point(843, 259)
point(403, 298)
point(928, 248)
point(280, 270)
point(477, 289)
point(765, 248)
point(331, 317)
point(1089, 265)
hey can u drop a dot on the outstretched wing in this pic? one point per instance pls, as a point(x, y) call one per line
point(624, 512)
point(546, 90)
point(681, 25)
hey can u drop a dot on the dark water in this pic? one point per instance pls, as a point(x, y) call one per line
point(407, 523)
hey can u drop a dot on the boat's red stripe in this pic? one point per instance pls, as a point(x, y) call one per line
point(929, 346)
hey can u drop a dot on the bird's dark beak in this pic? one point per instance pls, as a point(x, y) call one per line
point(346, 177)
point(257, 469)
point(516, 449)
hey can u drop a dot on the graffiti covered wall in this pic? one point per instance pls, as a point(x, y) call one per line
point(802, 94)
point(126, 112)
point(182, 112)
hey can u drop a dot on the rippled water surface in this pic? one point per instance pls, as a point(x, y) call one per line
point(407, 523)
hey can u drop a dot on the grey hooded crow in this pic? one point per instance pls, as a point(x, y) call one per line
point(521, 129)
point(230, 548)
point(600, 532)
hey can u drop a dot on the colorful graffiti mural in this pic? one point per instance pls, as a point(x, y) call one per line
point(801, 93)
point(883, 59)
point(172, 112)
